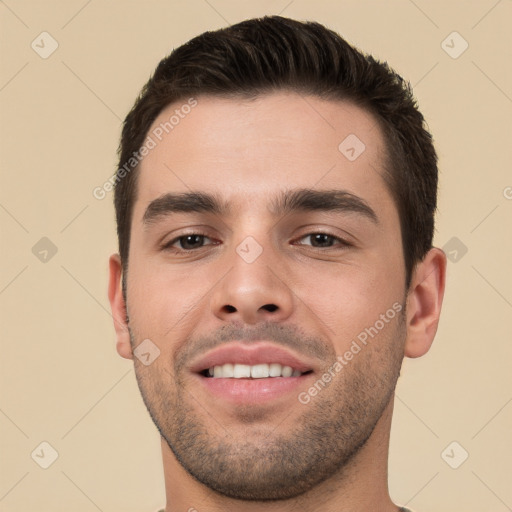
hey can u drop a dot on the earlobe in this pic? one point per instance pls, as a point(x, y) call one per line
point(118, 307)
point(424, 302)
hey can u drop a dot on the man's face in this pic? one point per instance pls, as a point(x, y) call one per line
point(267, 280)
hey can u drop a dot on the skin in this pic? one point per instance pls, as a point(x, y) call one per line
point(330, 454)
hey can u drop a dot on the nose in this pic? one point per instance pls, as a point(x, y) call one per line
point(253, 292)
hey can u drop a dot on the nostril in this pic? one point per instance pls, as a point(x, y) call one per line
point(230, 309)
point(270, 307)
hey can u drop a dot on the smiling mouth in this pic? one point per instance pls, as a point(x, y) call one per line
point(256, 371)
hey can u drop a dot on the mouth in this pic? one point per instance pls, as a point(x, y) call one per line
point(242, 373)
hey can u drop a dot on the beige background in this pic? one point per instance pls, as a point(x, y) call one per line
point(61, 379)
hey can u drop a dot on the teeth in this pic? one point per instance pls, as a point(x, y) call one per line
point(228, 370)
point(256, 371)
point(259, 371)
point(275, 370)
point(240, 371)
point(286, 371)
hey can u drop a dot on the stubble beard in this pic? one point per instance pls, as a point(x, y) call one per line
point(261, 460)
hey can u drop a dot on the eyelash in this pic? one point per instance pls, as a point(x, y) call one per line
point(169, 245)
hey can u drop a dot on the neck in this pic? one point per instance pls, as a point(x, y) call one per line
point(360, 486)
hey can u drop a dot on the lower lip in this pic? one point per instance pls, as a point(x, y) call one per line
point(243, 391)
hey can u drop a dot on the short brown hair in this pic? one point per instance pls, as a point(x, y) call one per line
point(273, 53)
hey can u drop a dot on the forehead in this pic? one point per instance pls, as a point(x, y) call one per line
point(239, 148)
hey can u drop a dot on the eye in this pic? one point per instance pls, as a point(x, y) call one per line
point(187, 242)
point(321, 240)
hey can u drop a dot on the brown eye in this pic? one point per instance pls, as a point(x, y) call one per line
point(323, 240)
point(189, 242)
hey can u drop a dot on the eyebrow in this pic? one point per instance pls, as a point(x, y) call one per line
point(285, 203)
point(186, 202)
point(322, 200)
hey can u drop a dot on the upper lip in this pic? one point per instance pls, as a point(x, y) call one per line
point(256, 353)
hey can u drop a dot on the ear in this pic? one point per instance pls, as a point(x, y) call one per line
point(424, 301)
point(118, 307)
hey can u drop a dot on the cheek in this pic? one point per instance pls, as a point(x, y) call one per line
point(352, 299)
point(161, 302)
